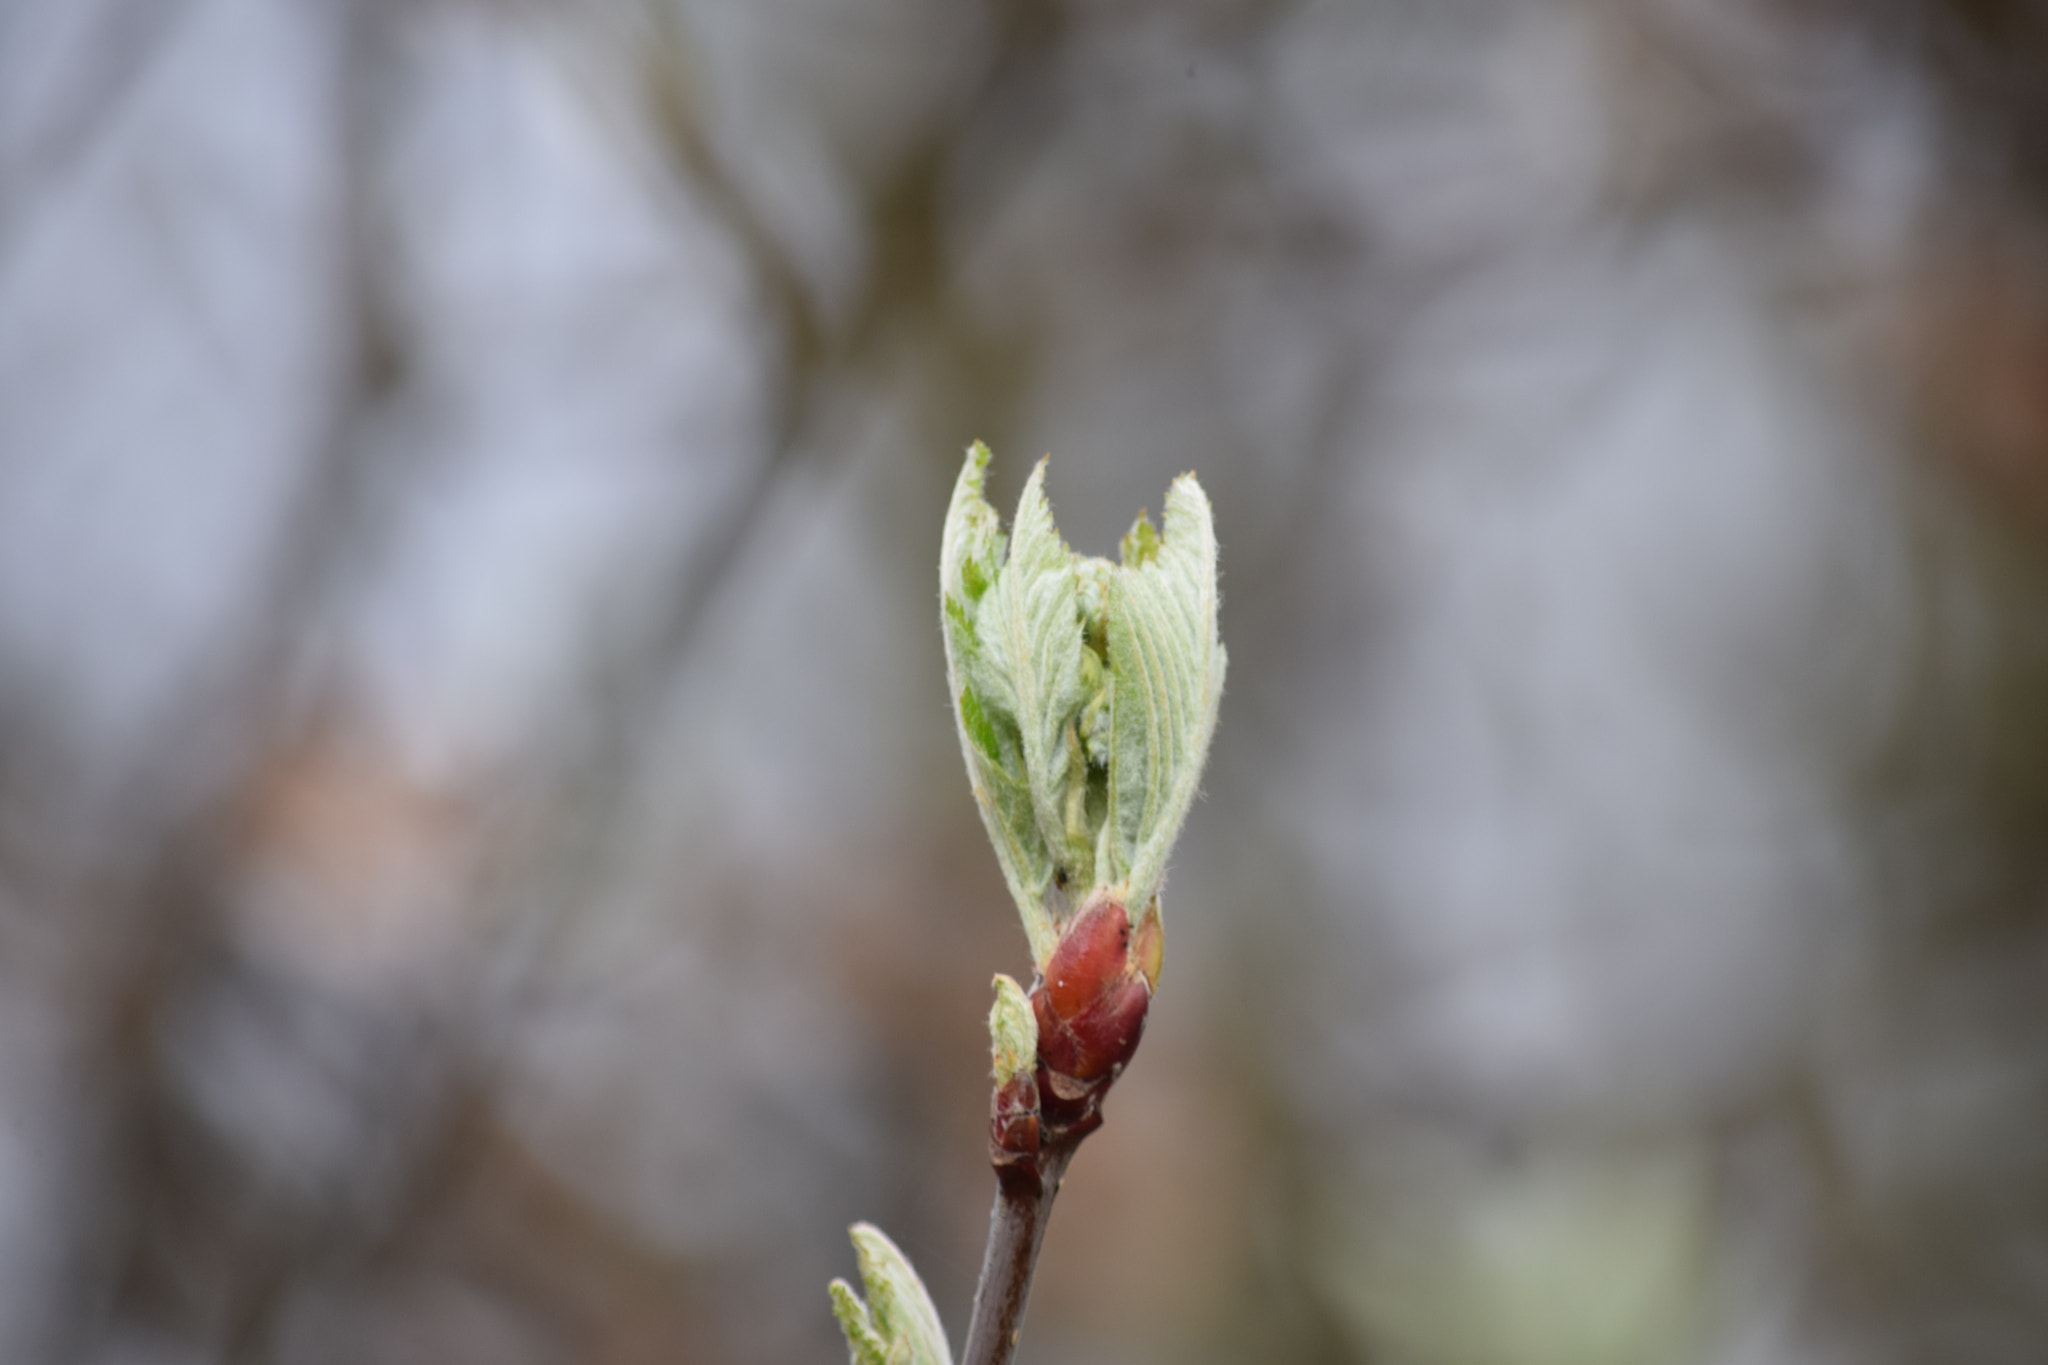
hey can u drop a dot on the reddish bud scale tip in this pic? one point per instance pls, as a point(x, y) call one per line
point(1092, 1004)
point(1092, 956)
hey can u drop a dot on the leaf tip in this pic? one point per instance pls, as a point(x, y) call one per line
point(1141, 543)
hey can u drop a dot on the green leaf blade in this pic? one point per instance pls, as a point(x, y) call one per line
point(1168, 663)
point(1033, 628)
point(863, 1345)
point(898, 1305)
point(976, 590)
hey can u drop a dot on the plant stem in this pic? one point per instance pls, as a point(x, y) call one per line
point(1016, 1228)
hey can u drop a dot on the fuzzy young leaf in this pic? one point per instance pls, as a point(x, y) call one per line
point(1030, 660)
point(897, 1325)
point(1085, 691)
point(1168, 663)
point(978, 615)
point(1012, 1031)
point(864, 1344)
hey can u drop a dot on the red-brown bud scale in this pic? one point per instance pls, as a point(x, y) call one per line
point(1013, 1123)
point(1091, 1004)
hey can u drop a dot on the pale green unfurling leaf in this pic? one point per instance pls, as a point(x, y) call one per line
point(1168, 662)
point(984, 698)
point(1029, 630)
point(1085, 691)
point(863, 1343)
point(897, 1325)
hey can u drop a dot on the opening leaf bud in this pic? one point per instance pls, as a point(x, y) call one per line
point(897, 1324)
point(1085, 691)
point(1013, 1121)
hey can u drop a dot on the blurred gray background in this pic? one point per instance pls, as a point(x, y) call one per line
point(486, 873)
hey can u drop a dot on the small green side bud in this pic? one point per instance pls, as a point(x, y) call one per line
point(1013, 1117)
point(1012, 1031)
point(897, 1325)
